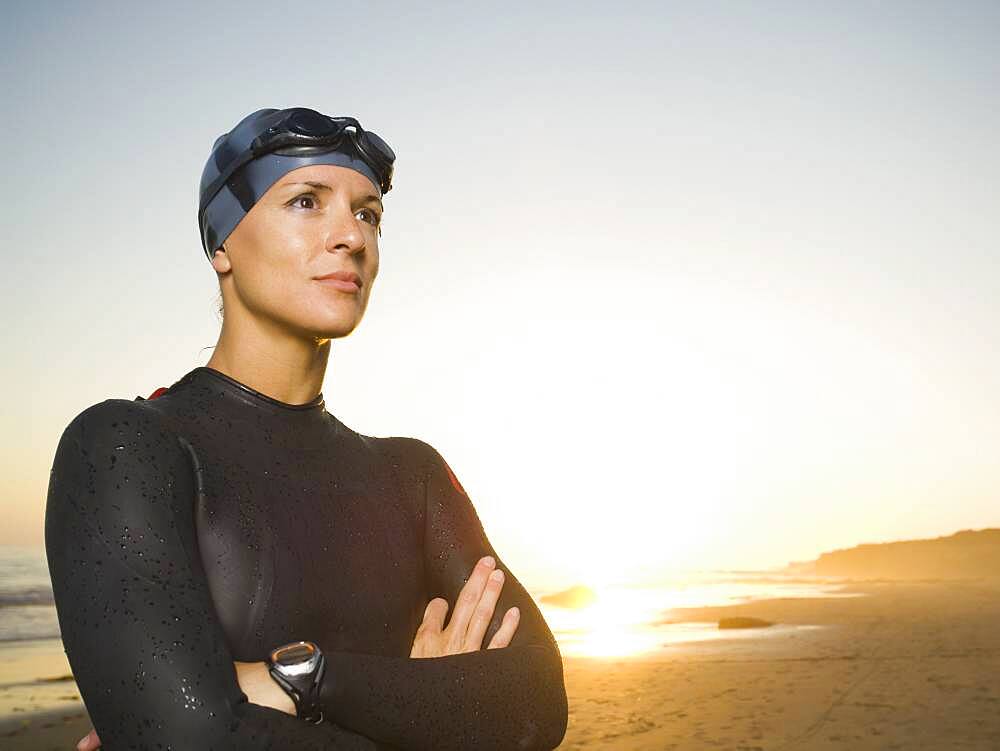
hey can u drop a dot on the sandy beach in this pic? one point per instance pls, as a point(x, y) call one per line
point(910, 666)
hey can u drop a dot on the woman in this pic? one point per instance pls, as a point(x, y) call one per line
point(233, 567)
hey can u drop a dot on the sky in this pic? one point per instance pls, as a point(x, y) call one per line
point(671, 286)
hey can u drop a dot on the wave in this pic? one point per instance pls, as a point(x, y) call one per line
point(27, 596)
point(30, 636)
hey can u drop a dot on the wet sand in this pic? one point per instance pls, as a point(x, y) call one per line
point(40, 706)
point(911, 666)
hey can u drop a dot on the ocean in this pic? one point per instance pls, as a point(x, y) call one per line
point(620, 621)
point(27, 610)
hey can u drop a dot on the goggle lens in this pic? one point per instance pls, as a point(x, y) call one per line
point(381, 145)
point(311, 123)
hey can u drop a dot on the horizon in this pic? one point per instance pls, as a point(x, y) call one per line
point(663, 578)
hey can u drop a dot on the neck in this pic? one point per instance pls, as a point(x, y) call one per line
point(271, 360)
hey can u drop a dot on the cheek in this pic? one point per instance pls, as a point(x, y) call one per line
point(267, 288)
point(271, 277)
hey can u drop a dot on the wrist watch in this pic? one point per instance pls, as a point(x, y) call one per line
point(298, 667)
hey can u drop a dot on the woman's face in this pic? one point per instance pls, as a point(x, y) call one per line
point(314, 221)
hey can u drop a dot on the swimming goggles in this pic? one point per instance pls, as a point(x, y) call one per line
point(302, 127)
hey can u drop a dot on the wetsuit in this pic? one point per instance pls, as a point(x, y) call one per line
point(213, 523)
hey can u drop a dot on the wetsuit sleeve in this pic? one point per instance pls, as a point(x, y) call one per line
point(138, 623)
point(508, 698)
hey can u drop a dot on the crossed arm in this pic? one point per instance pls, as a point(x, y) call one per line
point(150, 656)
point(487, 699)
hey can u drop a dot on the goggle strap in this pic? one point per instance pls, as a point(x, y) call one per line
point(243, 192)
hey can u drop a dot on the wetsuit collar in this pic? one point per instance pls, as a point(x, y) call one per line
point(219, 381)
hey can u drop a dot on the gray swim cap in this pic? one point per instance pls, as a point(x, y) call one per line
point(224, 210)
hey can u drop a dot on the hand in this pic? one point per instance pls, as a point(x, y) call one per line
point(255, 681)
point(470, 619)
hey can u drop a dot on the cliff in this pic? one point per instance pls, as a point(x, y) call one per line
point(969, 554)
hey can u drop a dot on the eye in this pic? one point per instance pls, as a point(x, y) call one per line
point(373, 218)
point(309, 197)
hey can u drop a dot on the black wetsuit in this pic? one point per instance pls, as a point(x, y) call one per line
point(213, 523)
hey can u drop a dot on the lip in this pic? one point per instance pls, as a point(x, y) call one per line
point(348, 281)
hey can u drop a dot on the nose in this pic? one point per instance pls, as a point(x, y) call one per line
point(344, 231)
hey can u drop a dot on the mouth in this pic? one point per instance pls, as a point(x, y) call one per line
point(346, 280)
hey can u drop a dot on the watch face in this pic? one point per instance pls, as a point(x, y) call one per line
point(297, 658)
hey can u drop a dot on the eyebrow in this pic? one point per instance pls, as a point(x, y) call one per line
point(323, 186)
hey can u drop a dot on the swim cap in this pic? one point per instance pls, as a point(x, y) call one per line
point(258, 166)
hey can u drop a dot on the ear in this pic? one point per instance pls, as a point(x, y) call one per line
point(220, 260)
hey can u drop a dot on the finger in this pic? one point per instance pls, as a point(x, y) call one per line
point(85, 743)
point(483, 614)
point(434, 615)
point(428, 640)
point(468, 598)
point(89, 742)
point(506, 631)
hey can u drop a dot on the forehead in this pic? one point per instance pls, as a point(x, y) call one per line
point(337, 177)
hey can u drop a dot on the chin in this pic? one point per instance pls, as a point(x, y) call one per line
point(326, 321)
point(327, 329)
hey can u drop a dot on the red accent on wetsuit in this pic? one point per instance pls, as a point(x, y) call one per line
point(159, 392)
point(454, 480)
